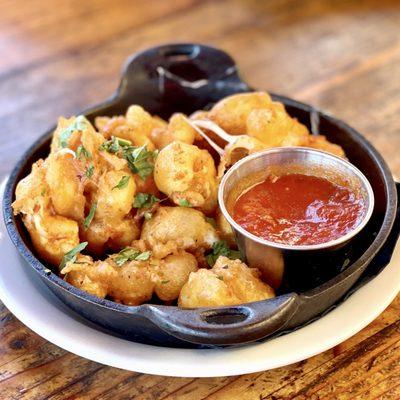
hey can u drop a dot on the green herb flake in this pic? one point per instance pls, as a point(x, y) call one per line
point(143, 256)
point(43, 192)
point(82, 152)
point(122, 183)
point(164, 282)
point(221, 248)
point(80, 124)
point(90, 216)
point(112, 145)
point(89, 172)
point(72, 254)
point(140, 160)
point(221, 278)
point(131, 254)
point(144, 200)
point(123, 142)
point(184, 203)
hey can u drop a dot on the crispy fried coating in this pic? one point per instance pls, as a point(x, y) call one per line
point(171, 273)
point(177, 228)
point(231, 113)
point(134, 282)
point(321, 143)
point(119, 127)
point(52, 235)
point(136, 126)
point(274, 127)
point(112, 226)
point(177, 130)
point(59, 193)
point(224, 229)
point(129, 283)
point(229, 282)
point(63, 176)
point(240, 148)
point(32, 192)
point(186, 173)
point(142, 121)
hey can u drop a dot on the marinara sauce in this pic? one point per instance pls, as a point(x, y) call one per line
point(298, 209)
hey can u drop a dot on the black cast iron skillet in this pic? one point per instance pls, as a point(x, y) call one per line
point(189, 77)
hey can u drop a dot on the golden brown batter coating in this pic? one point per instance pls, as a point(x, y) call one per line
point(52, 235)
point(129, 283)
point(231, 113)
point(177, 228)
point(321, 143)
point(187, 175)
point(274, 127)
point(133, 282)
point(171, 273)
point(229, 282)
point(177, 130)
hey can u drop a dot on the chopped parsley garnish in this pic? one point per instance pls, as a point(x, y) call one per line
point(131, 254)
point(184, 203)
point(114, 144)
point(80, 124)
point(140, 160)
point(144, 200)
point(122, 183)
point(82, 152)
point(164, 282)
point(90, 216)
point(89, 171)
point(72, 254)
point(221, 248)
point(43, 192)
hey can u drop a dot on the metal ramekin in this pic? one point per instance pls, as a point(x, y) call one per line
point(268, 256)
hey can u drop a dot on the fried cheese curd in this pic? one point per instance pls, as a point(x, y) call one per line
point(266, 121)
point(70, 196)
point(136, 126)
point(173, 228)
point(228, 283)
point(177, 130)
point(133, 282)
point(187, 175)
point(138, 196)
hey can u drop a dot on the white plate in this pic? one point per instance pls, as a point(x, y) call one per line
point(32, 303)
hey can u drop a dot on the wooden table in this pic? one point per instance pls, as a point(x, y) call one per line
point(343, 56)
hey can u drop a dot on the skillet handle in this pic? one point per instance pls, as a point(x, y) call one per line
point(178, 77)
point(225, 325)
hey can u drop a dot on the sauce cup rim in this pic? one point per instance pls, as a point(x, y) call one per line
point(320, 246)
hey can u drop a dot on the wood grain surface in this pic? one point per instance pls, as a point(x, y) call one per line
point(58, 57)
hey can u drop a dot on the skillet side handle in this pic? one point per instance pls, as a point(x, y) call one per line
point(225, 325)
point(181, 77)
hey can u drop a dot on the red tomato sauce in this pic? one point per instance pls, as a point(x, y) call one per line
point(298, 209)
